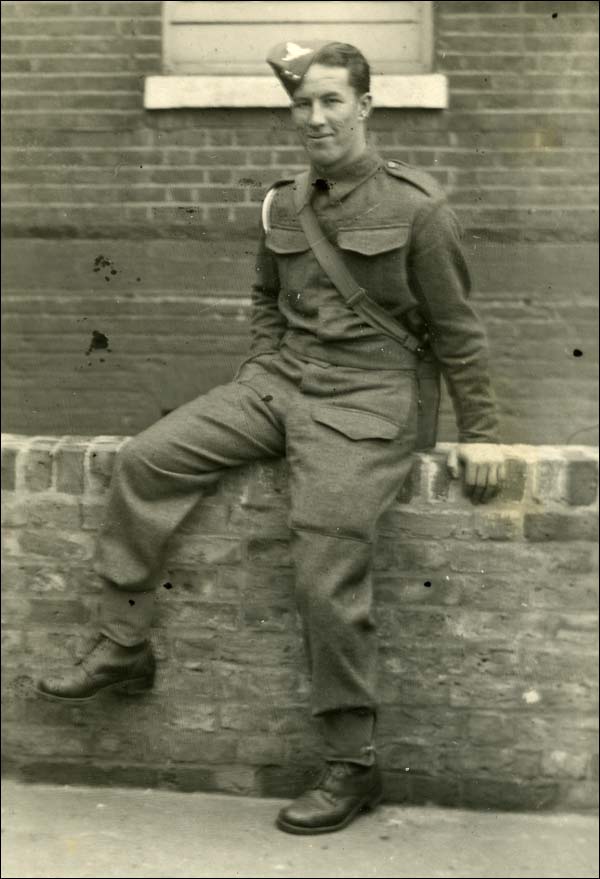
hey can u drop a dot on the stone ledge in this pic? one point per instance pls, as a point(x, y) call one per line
point(426, 91)
point(550, 475)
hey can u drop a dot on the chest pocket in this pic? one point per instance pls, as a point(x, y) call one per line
point(377, 259)
point(284, 241)
point(374, 242)
point(296, 264)
point(375, 256)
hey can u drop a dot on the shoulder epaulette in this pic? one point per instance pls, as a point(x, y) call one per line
point(268, 199)
point(415, 176)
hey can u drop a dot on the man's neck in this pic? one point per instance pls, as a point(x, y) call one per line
point(345, 167)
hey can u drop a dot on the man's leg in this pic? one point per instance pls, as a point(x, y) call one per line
point(157, 480)
point(347, 463)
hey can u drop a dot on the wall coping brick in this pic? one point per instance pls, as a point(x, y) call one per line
point(544, 474)
point(487, 618)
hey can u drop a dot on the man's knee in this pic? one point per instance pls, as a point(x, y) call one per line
point(329, 604)
point(332, 568)
point(165, 451)
point(139, 453)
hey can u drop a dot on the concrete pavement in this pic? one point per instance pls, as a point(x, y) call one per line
point(51, 831)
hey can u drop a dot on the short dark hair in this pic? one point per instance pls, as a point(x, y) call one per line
point(345, 55)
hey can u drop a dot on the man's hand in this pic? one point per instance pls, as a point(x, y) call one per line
point(484, 468)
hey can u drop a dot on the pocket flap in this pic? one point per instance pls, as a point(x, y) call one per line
point(286, 240)
point(373, 241)
point(355, 423)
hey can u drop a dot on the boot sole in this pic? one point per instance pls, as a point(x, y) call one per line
point(367, 805)
point(133, 687)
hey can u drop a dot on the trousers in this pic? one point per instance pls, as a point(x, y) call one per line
point(348, 435)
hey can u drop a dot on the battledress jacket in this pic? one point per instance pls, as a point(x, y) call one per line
point(401, 242)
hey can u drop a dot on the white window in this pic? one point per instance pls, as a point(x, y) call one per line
point(214, 52)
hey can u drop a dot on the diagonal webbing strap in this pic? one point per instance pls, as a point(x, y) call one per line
point(354, 295)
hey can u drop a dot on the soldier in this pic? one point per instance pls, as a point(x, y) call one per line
point(331, 386)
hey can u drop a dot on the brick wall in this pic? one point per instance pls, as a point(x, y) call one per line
point(516, 149)
point(487, 619)
point(92, 183)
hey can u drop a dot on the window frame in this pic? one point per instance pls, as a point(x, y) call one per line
point(172, 89)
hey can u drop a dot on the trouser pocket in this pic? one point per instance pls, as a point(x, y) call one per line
point(356, 424)
point(346, 465)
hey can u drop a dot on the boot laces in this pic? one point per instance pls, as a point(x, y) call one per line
point(332, 772)
point(90, 647)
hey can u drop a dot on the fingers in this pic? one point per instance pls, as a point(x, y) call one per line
point(471, 477)
point(490, 492)
point(452, 464)
point(487, 483)
point(493, 484)
point(496, 479)
point(481, 480)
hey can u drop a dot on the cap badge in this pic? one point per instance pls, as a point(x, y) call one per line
point(293, 50)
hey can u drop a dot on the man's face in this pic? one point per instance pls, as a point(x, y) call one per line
point(330, 116)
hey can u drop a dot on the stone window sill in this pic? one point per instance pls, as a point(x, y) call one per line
point(427, 91)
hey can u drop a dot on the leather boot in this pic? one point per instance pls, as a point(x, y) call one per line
point(107, 665)
point(342, 791)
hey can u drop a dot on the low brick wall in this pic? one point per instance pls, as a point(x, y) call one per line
point(487, 620)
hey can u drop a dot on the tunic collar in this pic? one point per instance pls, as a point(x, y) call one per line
point(342, 183)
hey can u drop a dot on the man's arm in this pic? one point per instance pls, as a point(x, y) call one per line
point(440, 280)
point(267, 324)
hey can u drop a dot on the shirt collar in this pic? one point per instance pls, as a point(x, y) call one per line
point(343, 182)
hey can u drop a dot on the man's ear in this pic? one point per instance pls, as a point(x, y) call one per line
point(365, 105)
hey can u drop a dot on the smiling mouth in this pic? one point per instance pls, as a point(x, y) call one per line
point(319, 136)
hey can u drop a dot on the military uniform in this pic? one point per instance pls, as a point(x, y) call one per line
point(333, 395)
point(337, 397)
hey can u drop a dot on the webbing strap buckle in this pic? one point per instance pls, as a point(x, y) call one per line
point(358, 294)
